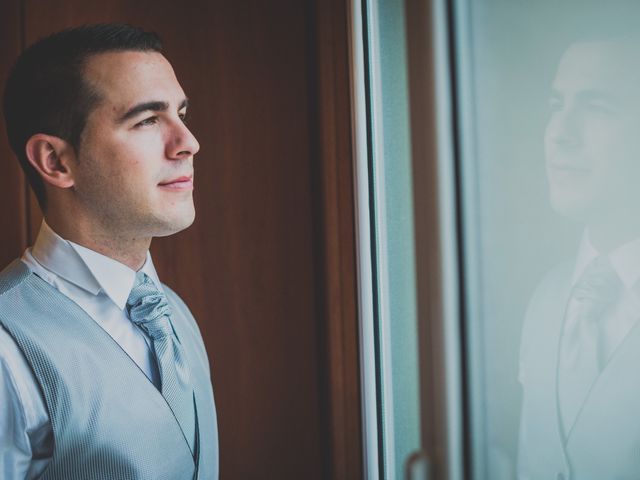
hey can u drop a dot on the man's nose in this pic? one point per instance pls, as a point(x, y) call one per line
point(182, 143)
point(564, 127)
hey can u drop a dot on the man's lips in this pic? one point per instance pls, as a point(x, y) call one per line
point(567, 174)
point(567, 167)
point(180, 183)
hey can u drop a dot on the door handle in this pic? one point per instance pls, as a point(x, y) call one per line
point(417, 466)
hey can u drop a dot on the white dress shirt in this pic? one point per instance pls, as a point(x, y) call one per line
point(623, 315)
point(100, 286)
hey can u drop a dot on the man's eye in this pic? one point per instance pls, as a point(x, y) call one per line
point(555, 104)
point(183, 117)
point(147, 122)
point(599, 107)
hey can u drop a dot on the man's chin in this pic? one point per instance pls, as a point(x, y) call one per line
point(171, 226)
point(572, 207)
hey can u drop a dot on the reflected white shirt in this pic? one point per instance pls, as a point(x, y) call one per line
point(100, 286)
point(626, 312)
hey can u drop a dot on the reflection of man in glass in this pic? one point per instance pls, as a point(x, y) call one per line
point(580, 354)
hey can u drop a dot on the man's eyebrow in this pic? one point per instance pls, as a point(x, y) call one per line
point(594, 93)
point(153, 106)
point(586, 94)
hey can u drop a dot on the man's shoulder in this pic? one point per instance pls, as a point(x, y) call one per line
point(174, 297)
point(545, 308)
point(189, 321)
point(178, 304)
point(13, 275)
point(555, 281)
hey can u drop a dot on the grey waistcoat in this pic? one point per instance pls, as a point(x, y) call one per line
point(109, 421)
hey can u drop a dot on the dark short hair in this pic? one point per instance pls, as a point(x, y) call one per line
point(46, 92)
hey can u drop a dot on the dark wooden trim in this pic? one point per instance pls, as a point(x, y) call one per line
point(422, 91)
point(338, 246)
point(28, 198)
point(12, 182)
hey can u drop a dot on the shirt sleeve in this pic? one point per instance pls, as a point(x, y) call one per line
point(15, 448)
point(21, 415)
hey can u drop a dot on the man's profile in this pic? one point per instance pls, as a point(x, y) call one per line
point(581, 341)
point(103, 372)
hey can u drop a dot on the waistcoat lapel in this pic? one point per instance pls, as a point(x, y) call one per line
point(606, 435)
point(108, 419)
point(186, 328)
point(541, 430)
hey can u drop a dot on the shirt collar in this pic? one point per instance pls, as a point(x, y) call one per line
point(86, 268)
point(586, 253)
point(624, 259)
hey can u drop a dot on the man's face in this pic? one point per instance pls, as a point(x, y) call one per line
point(135, 160)
point(592, 140)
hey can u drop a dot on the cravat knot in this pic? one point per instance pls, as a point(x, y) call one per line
point(596, 291)
point(598, 287)
point(581, 351)
point(148, 308)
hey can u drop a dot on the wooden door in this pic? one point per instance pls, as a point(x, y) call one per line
point(268, 267)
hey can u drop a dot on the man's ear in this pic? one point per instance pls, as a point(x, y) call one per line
point(52, 157)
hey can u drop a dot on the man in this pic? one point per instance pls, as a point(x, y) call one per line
point(103, 372)
point(581, 340)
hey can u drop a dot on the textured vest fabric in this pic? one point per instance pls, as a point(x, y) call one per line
point(605, 440)
point(108, 419)
point(541, 448)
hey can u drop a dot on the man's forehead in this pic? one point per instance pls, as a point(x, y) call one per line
point(130, 77)
point(600, 65)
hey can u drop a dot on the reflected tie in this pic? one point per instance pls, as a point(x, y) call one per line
point(149, 310)
point(581, 355)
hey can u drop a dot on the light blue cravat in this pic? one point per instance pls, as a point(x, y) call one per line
point(581, 348)
point(108, 420)
point(148, 309)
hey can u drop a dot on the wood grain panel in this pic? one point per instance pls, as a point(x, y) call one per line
point(247, 267)
point(13, 226)
point(337, 237)
point(424, 151)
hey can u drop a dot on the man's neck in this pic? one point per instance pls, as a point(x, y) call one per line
point(609, 234)
point(125, 249)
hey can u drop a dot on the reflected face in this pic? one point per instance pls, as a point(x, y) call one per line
point(592, 139)
point(134, 172)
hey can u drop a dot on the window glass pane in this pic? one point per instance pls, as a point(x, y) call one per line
point(549, 118)
point(393, 231)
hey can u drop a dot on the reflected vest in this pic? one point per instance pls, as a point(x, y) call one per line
point(109, 421)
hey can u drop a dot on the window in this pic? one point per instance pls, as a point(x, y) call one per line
point(501, 200)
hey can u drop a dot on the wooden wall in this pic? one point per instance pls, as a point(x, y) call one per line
point(268, 267)
point(13, 192)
